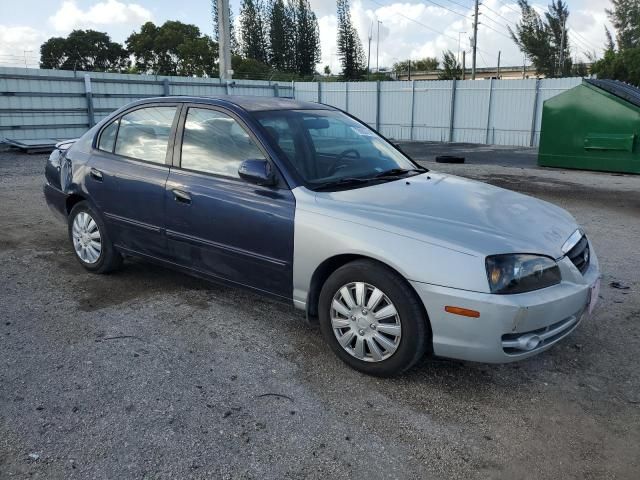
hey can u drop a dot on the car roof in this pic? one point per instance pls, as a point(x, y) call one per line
point(245, 102)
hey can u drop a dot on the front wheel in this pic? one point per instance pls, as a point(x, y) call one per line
point(90, 240)
point(372, 319)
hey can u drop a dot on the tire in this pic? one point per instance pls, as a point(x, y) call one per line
point(449, 159)
point(377, 347)
point(96, 254)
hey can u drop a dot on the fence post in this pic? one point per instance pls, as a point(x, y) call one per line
point(346, 96)
point(87, 91)
point(534, 114)
point(452, 110)
point(165, 87)
point(276, 90)
point(486, 137)
point(377, 105)
point(413, 108)
point(319, 92)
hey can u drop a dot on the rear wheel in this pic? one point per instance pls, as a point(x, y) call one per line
point(372, 319)
point(90, 240)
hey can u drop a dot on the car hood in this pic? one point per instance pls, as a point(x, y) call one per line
point(455, 213)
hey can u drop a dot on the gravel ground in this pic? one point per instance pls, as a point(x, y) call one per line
point(148, 373)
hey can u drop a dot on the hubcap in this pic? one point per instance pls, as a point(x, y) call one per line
point(365, 322)
point(86, 238)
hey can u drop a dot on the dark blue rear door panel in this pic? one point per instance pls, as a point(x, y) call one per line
point(131, 197)
point(232, 230)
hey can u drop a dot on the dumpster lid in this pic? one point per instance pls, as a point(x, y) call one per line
point(620, 89)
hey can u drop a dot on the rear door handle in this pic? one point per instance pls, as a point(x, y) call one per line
point(96, 174)
point(182, 197)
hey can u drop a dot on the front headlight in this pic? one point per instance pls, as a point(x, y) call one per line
point(521, 272)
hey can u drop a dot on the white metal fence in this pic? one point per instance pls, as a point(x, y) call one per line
point(502, 112)
point(37, 104)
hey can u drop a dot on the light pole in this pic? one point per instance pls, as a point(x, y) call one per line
point(369, 51)
point(378, 49)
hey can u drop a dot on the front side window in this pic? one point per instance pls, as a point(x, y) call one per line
point(334, 146)
point(213, 142)
point(108, 137)
point(144, 134)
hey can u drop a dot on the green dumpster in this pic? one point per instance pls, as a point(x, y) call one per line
point(593, 126)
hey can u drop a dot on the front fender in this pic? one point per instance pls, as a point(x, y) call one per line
point(319, 236)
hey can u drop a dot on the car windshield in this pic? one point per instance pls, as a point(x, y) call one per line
point(329, 148)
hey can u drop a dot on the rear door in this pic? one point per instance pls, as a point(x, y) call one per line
point(216, 222)
point(128, 172)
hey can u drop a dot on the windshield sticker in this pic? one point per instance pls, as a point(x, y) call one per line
point(362, 131)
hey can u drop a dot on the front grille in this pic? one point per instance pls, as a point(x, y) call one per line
point(580, 254)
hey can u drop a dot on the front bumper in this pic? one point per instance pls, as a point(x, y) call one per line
point(550, 314)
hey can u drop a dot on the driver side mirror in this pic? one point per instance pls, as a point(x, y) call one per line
point(257, 171)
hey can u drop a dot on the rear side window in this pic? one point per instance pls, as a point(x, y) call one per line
point(108, 137)
point(213, 142)
point(144, 134)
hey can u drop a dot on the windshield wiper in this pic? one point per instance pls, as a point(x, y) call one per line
point(397, 172)
point(342, 182)
point(391, 174)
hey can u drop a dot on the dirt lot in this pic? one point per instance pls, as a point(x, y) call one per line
point(148, 373)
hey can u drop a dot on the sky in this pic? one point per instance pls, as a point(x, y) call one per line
point(409, 29)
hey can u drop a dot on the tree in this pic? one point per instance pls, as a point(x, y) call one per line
point(85, 50)
point(253, 42)
point(53, 53)
point(451, 69)
point(556, 16)
point(250, 68)
point(282, 37)
point(622, 63)
point(174, 48)
point(327, 70)
point(545, 42)
point(307, 38)
point(427, 64)
point(625, 17)
point(232, 33)
point(350, 49)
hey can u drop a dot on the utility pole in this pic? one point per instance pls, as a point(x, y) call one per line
point(378, 49)
point(224, 40)
point(409, 68)
point(464, 68)
point(498, 73)
point(475, 42)
point(25, 56)
point(369, 52)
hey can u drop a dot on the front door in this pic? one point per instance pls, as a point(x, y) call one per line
point(219, 224)
point(128, 174)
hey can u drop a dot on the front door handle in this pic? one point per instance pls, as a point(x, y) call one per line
point(181, 197)
point(96, 174)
